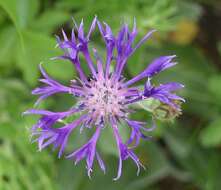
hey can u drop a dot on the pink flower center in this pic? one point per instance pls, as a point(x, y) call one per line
point(104, 98)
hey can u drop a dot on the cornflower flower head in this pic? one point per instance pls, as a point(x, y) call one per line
point(104, 97)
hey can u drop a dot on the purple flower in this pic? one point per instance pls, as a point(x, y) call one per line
point(136, 132)
point(52, 87)
point(123, 149)
point(158, 65)
point(49, 135)
point(77, 44)
point(103, 97)
point(163, 93)
point(110, 43)
point(88, 151)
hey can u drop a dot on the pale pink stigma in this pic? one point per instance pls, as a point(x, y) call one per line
point(104, 97)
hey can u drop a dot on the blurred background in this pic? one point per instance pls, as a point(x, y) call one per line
point(184, 155)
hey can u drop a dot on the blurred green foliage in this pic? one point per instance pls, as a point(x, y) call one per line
point(184, 155)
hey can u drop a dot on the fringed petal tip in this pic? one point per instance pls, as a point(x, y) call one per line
point(37, 102)
point(138, 164)
point(89, 171)
point(119, 170)
point(33, 111)
point(160, 64)
point(101, 163)
point(64, 35)
point(54, 58)
point(25, 113)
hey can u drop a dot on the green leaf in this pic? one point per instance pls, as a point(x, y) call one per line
point(158, 167)
point(189, 10)
point(211, 135)
point(40, 48)
point(158, 14)
point(149, 104)
point(21, 12)
point(6, 131)
point(108, 137)
point(70, 176)
point(176, 142)
point(17, 154)
point(138, 57)
point(49, 20)
point(214, 87)
point(8, 39)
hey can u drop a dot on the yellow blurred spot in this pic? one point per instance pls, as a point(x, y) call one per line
point(185, 32)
